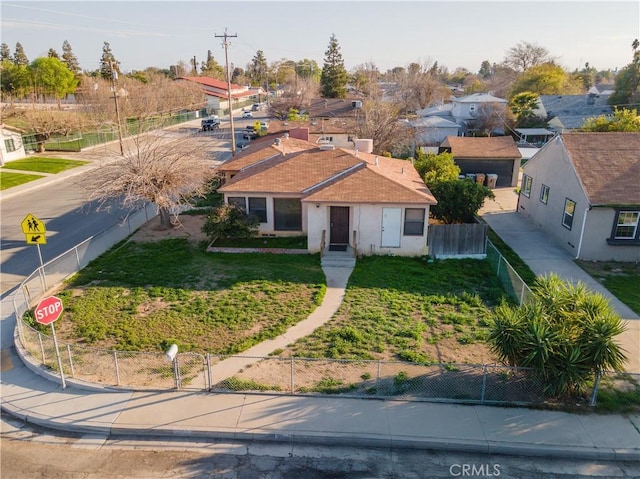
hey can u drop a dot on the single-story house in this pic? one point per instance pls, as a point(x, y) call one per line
point(338, 132)
point(582, 188)
point(337, 197)
point(432, 130)
point(498, 155)
point(217, 94)
point(11, 147)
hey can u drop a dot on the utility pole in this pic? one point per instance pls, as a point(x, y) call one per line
point(225, 44)
point(114, 77)
point(195, 65)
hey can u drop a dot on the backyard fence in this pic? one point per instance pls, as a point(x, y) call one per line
point(457, 240)
point(510, 279)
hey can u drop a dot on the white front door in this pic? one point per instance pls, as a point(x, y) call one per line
point(391, 224)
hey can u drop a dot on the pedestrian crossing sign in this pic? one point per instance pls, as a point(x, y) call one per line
point(32, 225)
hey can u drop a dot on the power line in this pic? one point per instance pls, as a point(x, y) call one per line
point(225, 44)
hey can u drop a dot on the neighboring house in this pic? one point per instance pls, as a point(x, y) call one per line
point(468, 111)
point(569, 112)
point(496, 155)
point(217, 95)
point(11, 147)
point(533, 137)
point(583, 189)
point(431, 131)
point(333, 108)
point(338, 132)
point(338, 198)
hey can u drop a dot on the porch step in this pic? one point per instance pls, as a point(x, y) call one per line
point(338, 259)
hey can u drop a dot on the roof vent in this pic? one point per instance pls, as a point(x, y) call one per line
point(277, 142)
point(376, 161)
point(286, 135)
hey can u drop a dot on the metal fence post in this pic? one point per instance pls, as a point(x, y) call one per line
point(115, 360)
point(292, 377)
point(77, 255)
point(594, 394)
point(522, 293)
point(73, 373)
point(209, 372)
point(498, 267)
point(378, 377)
point(176, 372)
point(484, 382)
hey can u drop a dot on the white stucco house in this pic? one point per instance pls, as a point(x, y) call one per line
point(216, 93)
point(11, 146)
point(583, 189)
point(339, 198)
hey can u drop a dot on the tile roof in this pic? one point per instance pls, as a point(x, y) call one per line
point(317, 127)
point(492, 147)
point(331, 107)
point(212, 82)
point(330, 175)
point(608, 165)
point(263, 148)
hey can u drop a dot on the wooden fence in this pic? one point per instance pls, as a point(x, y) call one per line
point(458, 240)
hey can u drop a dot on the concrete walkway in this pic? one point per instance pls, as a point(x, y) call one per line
point(336, 284)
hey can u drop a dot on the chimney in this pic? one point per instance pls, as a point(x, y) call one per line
point(286, 135)
point(277, 142)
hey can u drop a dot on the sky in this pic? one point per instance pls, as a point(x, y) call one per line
point(387, 33)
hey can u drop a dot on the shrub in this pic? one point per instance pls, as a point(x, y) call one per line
point(230, 221)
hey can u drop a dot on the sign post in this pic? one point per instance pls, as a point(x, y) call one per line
point(34, 231)
point(47, 312)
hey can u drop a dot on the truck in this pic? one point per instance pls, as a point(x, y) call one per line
point(209, 124)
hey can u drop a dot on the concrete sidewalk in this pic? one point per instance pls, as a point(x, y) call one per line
point(320, 420)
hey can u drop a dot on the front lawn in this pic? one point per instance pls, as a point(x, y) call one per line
point(621, 279)
point(410, 309)
point(9, 179)
point(292, 242)
point(44, 165)
point(145, 296)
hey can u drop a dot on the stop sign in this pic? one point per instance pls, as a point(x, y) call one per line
point(48, 310)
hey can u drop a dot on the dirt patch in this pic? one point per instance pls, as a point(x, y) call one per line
point(187, 226)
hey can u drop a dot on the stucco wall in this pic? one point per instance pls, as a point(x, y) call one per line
point(17, 142)
point(551, 167)
point(366, 220)
point(594, 243)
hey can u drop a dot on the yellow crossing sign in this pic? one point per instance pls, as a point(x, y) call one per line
point(36, 238)
point(32, 225)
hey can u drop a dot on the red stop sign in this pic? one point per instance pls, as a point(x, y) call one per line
point(48, 310)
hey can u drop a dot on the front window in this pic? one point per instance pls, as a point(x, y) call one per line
point(258, 208)
point(9, 145)
point(527, 181)
point(569, 210)
point(287, 214)
point(544, 194)
point(238, 201)
point(414, 221)
point(627, 225)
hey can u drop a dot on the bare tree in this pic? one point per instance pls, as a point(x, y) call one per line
point(159, 168)
point(296, 96)
point(379, 120)
point(44, 123)
point(526, 55)
point(490, 117)
point(417, 87)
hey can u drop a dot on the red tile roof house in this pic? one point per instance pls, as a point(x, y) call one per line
point(339, 198)
point(497, 155)
point(216, 93)
point(584, 190)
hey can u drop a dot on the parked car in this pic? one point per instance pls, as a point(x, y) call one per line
point(256, 107)
point(249, 135)
point(247, 114)
point(209, 124)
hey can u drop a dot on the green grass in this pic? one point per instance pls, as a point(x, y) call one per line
point(10, 179)
point(293, 242)
point(145, 296)
point(394, 307)
point(619, 394)
point(44, 165)
point(512, 257)
point(621, 279)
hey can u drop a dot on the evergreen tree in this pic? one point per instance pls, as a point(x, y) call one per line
point(52, 53)
point(5, 53)
point(211, 68)
point(20, 57)
point(257, 69)
point(334, 78)
point(70, 59)
point(108, 63)
point(485, 69)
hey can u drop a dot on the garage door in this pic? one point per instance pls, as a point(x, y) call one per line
point(502, 168)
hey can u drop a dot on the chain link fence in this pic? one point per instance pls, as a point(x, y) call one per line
point(510, 279)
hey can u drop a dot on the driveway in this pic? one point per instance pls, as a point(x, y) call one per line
point(545, 255)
